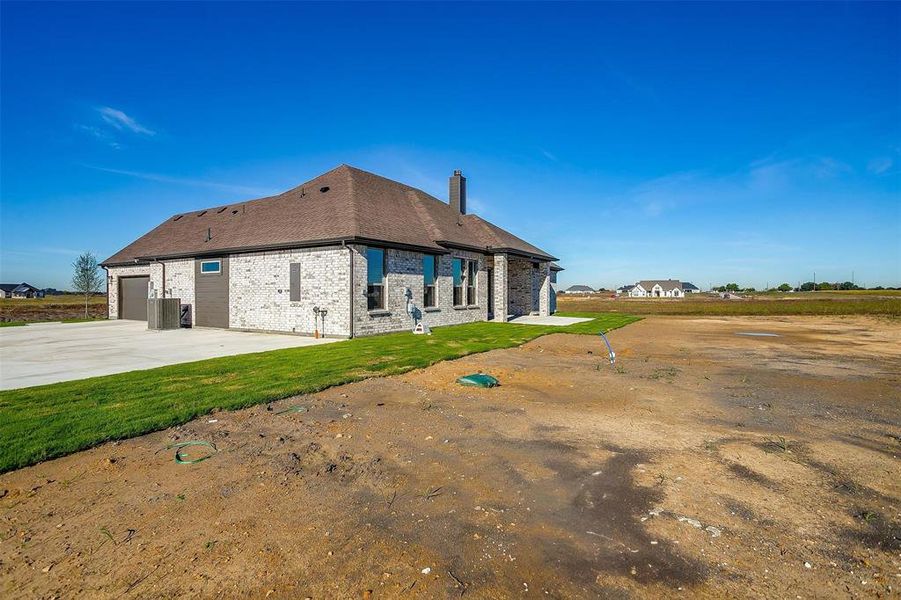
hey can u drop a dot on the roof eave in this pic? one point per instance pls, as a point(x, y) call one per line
point(141, 260)
point(524, 253)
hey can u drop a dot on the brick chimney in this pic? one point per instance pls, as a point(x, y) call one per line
point(457, 193)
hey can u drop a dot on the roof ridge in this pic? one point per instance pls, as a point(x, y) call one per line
point(423, 214)
point(351, 185)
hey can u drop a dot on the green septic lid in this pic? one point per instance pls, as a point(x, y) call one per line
point(479, 380)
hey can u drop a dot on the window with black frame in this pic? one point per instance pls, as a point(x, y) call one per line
point(429, 279)
point(472, 271)
point(375, 279)
point(458, 281)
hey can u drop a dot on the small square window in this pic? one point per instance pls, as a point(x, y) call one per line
point(211, 267)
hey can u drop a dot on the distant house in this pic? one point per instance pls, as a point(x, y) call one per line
point(578, 289)
point(690, 288)
point(19, 290)
point(624, 290)
point(657, 288)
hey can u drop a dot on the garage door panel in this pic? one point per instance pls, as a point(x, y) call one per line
point(133, 298)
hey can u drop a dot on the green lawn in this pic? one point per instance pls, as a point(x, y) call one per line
point(52, 420)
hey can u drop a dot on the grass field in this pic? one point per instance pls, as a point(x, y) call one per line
point(868, 302)
point(48, 421)
point(52, 308)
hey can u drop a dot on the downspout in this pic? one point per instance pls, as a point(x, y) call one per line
point(350, 328)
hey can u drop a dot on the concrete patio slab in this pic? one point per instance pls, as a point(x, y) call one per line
point(51, 352)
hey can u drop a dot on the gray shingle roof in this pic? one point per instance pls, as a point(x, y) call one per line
point(344, 204)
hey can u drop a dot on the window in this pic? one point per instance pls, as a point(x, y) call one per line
point(458, 281)
point(375, 278)
point(210, 267)
point(294, 281)
point(429, 277)
point(472, 271)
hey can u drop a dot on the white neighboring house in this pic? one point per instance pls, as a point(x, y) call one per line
point(657, 288)
point(690, 288)
point(578, 289)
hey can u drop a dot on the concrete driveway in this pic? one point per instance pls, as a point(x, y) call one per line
point(52, 352)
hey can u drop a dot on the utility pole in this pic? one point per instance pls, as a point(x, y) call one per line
point(814, 281)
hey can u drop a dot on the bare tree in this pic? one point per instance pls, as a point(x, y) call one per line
point(87, 279)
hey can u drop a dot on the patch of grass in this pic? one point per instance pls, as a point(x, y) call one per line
point(47, 421)
point(83, 320)
point(779, 444)
point(12, 323)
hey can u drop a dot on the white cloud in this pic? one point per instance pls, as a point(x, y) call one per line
point(98, 134)
point(880, 165)
point(121, 121)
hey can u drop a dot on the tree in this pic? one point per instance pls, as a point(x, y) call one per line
point(807, 286)
point(732, 287)
point(87, 278)
point(784, 288)
point(848, 286)
point(825, 285)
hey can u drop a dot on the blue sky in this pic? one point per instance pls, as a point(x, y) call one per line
point(709, 142)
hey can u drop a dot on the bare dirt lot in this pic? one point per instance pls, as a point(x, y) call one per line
point(706, 464)
point(51, 308)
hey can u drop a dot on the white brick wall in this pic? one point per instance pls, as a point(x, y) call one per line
point(179, 281)
point(260, 297)
point(259, 289)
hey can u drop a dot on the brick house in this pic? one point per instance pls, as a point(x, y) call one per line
point(339, 254)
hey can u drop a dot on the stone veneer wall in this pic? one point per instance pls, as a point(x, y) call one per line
point(500, 263)
point(259, 291)
point(545, 290)
point(405, 271)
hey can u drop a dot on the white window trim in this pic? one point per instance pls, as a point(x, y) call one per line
point(206, 262)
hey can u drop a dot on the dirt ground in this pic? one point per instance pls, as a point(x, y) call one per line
point(705, 464)
point(51, 308)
